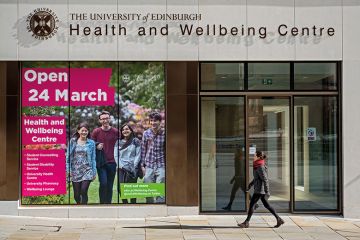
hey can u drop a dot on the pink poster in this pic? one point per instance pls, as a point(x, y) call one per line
point(64, 104)
point(43, 130)
point(58, 87)
point(44, 140)
point(43, 169)
point(43, 172)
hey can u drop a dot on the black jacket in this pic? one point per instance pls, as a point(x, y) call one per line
point(260, 181)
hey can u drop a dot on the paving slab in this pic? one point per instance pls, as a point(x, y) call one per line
point(228, 230)
point(341, 225)
point(101, 224)
point(183, 227)
point(26, 236)
point(99, 230)
point(170, 219)
point(357, 224)
point(95, 236)
point(194, 217)
point(223, 222)
point(198, 232)
point(232, 236)
point(127, 236)
point(326, 236)
point(254, 219)
point(134, 237)
point(126, 230)
point(318, 229)
point(194, 222)
point(307, 221)
point(295, 236)
point(151, 237)
point(199, 237)
point(349, 233)
point(71, 223)
point(5, 228)
point(62, 236)
point(288, 229)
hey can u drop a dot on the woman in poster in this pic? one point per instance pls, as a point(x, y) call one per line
point(81, 162)
point(127, 153)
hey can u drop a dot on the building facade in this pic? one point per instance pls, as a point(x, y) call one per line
point(227, 78)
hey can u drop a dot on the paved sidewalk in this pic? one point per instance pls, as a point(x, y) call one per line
point(182, 227)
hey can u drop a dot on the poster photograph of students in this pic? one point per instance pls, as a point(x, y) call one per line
point(93, 133)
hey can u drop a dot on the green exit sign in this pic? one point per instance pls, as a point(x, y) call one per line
point(267, 81)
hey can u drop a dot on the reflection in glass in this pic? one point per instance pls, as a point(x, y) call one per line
point(315, 153)
point(222, 76)
point(315, 76)
point(222, 154)
point(269, 124)
point(269, 76)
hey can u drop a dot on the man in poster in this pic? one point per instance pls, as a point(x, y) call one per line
point(105, 138)
point(153, 154)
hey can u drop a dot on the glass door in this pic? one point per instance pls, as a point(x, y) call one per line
point(269, 131)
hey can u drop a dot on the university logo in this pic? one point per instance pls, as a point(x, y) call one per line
point(42, 23)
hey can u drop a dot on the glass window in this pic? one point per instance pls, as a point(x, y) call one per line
point(315, 76)
point(222, 154)
point(269, 76)
point(73, 153)
point(222, 76)
point(141, 91)
point(315, 153)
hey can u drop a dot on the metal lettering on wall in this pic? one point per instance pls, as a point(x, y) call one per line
point(42, 24)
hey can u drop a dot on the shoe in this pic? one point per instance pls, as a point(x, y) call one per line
point(279, 222)
point(244, 224)
point(256, 206)
point(227, 208)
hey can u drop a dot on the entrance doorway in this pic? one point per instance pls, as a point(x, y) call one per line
point(269, 132)
point(288, 110)
point(226, 161)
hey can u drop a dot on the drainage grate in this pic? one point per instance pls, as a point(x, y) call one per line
point(40, 228)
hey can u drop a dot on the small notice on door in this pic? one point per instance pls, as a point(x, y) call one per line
point(252, 150)
point(311, 134)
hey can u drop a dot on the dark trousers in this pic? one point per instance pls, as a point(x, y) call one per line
point(106, 178)
point(81, 191)
point(254, 199)
point(125, 177)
